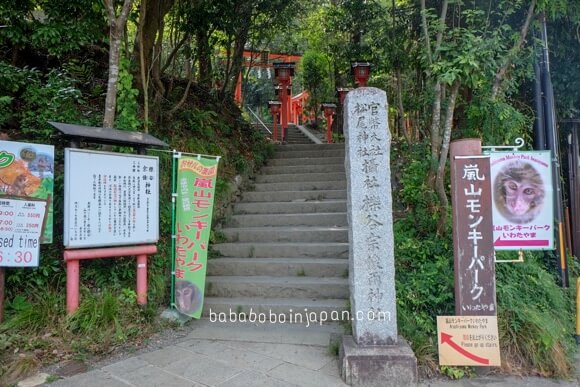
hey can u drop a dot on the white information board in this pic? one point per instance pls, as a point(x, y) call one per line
point(111, 199)
point(21, 225)
point(523, 201)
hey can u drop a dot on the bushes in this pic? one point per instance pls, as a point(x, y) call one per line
point(535, 318)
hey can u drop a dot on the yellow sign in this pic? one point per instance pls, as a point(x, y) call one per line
point(468, 340)
point(198, 167)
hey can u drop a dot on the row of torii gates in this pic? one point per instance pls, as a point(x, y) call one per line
point(290, 108)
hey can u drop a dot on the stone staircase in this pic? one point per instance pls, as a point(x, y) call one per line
point(287, 242)
point(295, 136)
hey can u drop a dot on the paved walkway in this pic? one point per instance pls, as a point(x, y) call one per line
point(215, 354)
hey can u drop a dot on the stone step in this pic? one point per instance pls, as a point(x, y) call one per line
point(309, 154)
point(293, 196)
point(263, 220)
point(283, 170)
point(297, 308)
point(282, 250)
point(279, 267)
point(286, 234)
point(300, 186)
point(295, 207)
point(309, 147)
point(277, 287)
point(306, 161)
point(310, 177)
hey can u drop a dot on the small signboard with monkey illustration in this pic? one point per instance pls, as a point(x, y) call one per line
point(523, 213)
point(27, 171)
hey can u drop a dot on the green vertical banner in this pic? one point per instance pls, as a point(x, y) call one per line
point(196, 178)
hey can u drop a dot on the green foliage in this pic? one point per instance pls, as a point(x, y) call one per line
point(315, 75)
point(454, 372)
point(201, 122)
point(57, 26)
point(535, 317)
point(127, 106)
point(55, 98)
point(496, 122)
point(42, 309)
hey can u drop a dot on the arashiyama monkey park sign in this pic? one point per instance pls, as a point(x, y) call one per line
point(522, 200)
point(196, 179)
point(472, 236)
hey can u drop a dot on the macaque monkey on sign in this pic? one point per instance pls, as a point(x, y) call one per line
point(187, 297)
point(519, 192)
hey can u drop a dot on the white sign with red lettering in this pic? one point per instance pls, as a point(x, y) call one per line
point(21, 225)
point(523, 213)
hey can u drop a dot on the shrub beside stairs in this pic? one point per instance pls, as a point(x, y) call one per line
point(287, 242)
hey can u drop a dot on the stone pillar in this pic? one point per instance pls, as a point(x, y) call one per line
point(374, 355)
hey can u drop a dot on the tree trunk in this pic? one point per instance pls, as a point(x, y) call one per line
point(502, 71)
point(437, 89)
point(116, 28)
point(400, 107)
point(156, 75)
point(435, 131)
point(189, 76)
point(143, 67)
point(440, 181)
point(155, 11)
point(241, 36)
point(203, 58)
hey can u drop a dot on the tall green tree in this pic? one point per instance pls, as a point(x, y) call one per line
point(315, 75)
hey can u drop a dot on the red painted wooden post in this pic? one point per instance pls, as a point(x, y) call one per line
point(142, 279)
point(72, 285)
point(72, 258)
point(275, 110)
point(329, 110)
point(238, 93)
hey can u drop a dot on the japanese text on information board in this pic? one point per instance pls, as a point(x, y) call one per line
point(110, 199)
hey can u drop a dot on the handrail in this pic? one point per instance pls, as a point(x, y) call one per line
point(258, 118)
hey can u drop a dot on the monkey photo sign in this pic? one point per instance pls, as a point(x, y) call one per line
point(523, 213)
point(27, 171)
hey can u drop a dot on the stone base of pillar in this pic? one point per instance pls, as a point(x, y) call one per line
point(385, 365)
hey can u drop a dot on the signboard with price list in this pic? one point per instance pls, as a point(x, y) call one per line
point(21, 226)
point(111, 199)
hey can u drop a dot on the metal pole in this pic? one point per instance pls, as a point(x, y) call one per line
point(2, 281)
point(574, 185)
point(174, 162)
point(539, 127)
point(552, 143)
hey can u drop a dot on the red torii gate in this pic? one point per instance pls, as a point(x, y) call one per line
point(265, 59)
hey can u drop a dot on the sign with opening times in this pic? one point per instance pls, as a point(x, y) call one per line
point(21, 226)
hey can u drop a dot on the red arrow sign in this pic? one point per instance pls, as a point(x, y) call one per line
point(518, 243)
point(445, 338)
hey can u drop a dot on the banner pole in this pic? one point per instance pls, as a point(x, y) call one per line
point(174, 157)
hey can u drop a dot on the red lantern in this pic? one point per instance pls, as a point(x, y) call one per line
point(361, 72)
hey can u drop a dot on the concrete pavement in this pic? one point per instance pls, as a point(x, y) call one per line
point(218, 354)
